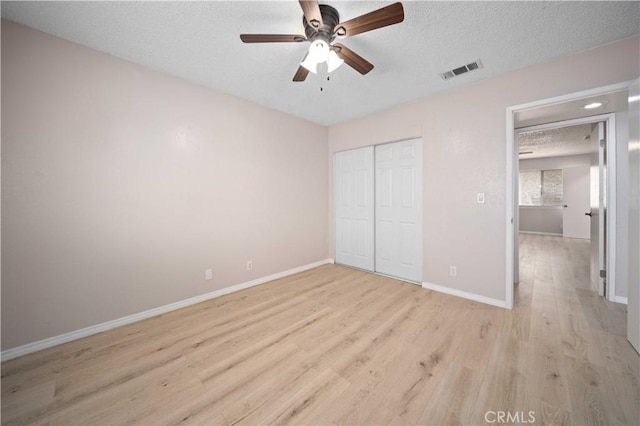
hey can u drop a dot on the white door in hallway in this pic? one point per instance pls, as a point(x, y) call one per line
point(633, 306)
point(354, 208)
point(398, 212)
point(576, 195)
point(598, 208)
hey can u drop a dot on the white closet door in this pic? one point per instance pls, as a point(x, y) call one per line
point(354, 208)
point(398, 209)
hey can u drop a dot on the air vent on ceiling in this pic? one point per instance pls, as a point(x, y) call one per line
point(461, 70)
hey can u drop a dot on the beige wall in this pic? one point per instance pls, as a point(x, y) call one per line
point(464, 133)
point(120, 186)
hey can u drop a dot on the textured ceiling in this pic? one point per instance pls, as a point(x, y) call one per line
point(199, 41)
point(572, 140)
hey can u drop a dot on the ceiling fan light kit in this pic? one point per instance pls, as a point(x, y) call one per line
point(320, 52)
point(322, 26)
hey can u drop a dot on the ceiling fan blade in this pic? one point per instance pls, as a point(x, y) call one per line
point(272, 38)
point(301, 74)
point(312, 13)
point(388, 15)
point(352, 59)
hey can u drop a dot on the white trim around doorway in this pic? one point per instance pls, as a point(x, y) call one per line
point(611, 178)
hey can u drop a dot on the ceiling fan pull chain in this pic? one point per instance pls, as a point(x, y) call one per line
point(328, 79)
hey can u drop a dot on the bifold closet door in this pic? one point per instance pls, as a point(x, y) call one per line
point(398, 212)
point(354, 208)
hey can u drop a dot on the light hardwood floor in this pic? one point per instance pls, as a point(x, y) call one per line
point(335, 345)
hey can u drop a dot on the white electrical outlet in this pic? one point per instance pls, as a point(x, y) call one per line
point(453, 271)
point(249, 265)
point(208, 274)
point(480, 197)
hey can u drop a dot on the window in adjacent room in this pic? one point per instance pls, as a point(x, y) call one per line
point(541, 187)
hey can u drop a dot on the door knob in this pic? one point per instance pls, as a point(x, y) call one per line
point(565, 206)
point(589, 214)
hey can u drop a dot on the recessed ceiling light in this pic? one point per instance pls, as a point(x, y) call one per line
point(593, 105)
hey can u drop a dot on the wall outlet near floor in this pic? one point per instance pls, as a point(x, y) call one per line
point(480, 197)
point(453, 271)
point(208, 274)
point(249, 265)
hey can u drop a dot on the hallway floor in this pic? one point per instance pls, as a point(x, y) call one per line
point(596, 364)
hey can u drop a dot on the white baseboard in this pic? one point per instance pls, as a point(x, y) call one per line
point(465, 295)
point(99, 328)
point(620, 299)
point(553, 234)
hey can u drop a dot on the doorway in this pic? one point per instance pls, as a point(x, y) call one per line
point(378, 213)
point(550, 112)
point(561, 192)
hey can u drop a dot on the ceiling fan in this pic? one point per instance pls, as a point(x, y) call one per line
point(322, 26)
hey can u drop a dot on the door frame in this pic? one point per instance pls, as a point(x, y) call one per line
point(512, 167)
point(610, 188)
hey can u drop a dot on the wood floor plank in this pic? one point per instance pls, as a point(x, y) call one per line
point(22, 400)
point(504, 384)
point(247, 356)
point(577, 335)
point(310, 403)
point(273, 390)
point(590, 405)
point(549, 414)
point(335, 345)
point(481, 332)
point(549, 384)
point(454, 398)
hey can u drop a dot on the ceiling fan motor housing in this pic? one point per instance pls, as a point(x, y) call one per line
point(330, 18)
